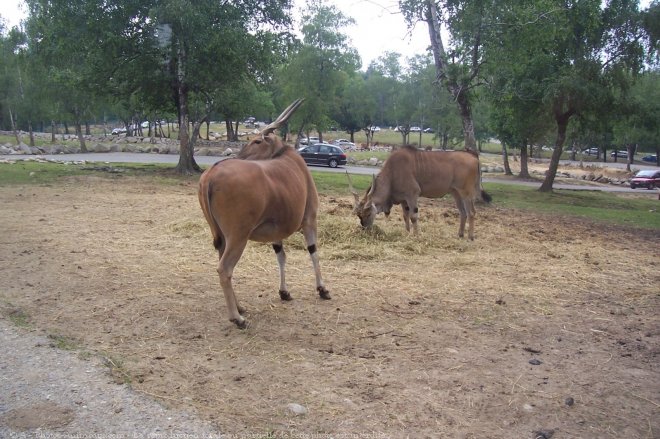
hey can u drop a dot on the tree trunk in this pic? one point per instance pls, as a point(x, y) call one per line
point(562, 125)
point(187, 164)
point(524, 170)
point(631, 148)
point(31, 133)
point(81, 138)
point(505, 160)
point(459, 92)
point(13, 127)
point(229, 126)
point(573, 151)
point(53, 132)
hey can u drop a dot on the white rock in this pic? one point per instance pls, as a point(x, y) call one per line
point(297, 409)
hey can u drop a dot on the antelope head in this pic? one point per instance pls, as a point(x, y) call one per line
point(267, 144)
point(364, 208)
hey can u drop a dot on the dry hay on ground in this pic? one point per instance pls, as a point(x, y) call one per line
point(427, 336)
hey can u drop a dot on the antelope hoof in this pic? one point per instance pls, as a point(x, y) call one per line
point(323, 293)
point(240, 323)
point(284, 295)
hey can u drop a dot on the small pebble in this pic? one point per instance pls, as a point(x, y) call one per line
point(535, 362)
point(569, 401)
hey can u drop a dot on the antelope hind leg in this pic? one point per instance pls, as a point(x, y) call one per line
point(226, 266)
point(310, 238)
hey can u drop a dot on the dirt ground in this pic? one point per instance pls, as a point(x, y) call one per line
point(543, 326)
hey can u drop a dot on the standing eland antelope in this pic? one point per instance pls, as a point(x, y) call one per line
point(265, 194)
point(410, 173)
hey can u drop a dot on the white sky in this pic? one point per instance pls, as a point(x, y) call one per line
point(379, 27)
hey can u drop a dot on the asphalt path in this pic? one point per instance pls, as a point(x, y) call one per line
point(127, 157)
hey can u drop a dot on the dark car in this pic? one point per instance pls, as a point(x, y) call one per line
point(647, 178)
point(650, 158)
point(323, 154)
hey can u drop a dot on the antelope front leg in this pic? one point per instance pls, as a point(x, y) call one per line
point(406, 215)
point(411, 211)
point(281, 262)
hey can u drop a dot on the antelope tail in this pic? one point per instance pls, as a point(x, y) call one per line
point(218, 237)
point(485, 196)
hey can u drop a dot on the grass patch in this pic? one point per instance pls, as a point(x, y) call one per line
point(29, 172)
point(332, 183)
point(117, 369)
point(63, 343)
point(622, 209)
point(19, 318)
point(38, 173)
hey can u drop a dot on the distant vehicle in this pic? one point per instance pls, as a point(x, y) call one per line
point(145, 124)
point(344, 144)
point(619, 154)
point(415, 129)
point(591, 151)
point(429, 130)
point(310, 141)
point(323, 154)
point(647, 178)
point(650, 158)
point(119, 131)
point(375, 129)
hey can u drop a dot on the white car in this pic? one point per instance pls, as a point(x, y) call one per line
point(310, 141)
point(345, 144)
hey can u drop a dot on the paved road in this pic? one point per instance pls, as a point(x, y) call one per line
point(127, 157)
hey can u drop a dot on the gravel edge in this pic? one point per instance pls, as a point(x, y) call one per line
point(48, 392)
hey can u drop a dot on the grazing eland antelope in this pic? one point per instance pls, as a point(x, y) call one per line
point(410, 173)
point(265, 194)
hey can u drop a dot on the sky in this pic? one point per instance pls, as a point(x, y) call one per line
point(379, 27)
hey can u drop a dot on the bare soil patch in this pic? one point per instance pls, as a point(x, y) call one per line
point(543, 323)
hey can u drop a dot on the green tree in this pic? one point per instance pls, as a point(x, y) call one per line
point(10, 78)
point(639, 127)
point(210, 46)
point(319, 68)
point(356, 108)
point(382, 80)
point(457, 69)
